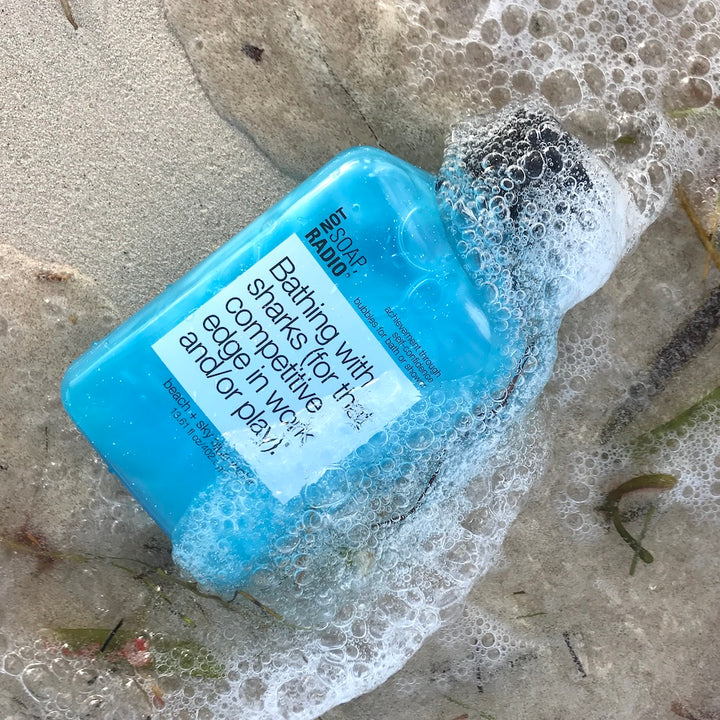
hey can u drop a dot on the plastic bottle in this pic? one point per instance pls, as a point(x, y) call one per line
point(331, 351)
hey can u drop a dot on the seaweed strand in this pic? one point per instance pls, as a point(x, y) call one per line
point(655, 481)
point(706, 238)
point(111, 635)
point(641, 537)
point(685, 342)
point(67, 10)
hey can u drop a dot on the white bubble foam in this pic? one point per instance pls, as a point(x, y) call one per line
point(635, 80)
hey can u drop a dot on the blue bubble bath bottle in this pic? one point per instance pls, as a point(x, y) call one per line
point(327, 356)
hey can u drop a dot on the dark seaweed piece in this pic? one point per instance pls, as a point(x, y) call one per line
point(683, 346)
point(111, 635)
point(401, 518)
point(253, 52)
point(482, 414)
point(576, 660)
point(90, 640)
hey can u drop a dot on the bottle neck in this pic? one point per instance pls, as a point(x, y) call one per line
point(533, 215)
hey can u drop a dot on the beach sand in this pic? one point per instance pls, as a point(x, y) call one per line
point(118, 177)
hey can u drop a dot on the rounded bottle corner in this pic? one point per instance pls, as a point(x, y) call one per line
point(363, 151)
point(372, 154)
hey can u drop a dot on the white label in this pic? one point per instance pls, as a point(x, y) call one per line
point(286, 370)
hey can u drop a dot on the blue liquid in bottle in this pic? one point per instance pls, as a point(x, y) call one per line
point(329, 353)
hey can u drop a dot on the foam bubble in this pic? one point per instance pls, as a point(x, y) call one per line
point(635, 81)
point(636, 61)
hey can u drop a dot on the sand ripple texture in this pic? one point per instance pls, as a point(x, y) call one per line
point(331, 75)
point(117, 166)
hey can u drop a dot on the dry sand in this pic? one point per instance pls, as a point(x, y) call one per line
point(117, 167)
